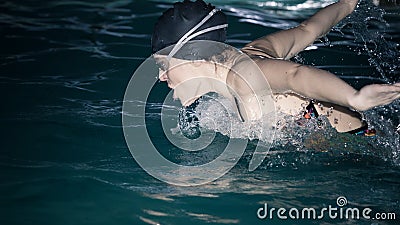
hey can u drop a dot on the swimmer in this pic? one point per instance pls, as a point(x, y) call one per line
point(293, 85)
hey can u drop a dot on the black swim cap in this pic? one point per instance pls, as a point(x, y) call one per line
point(177, 21)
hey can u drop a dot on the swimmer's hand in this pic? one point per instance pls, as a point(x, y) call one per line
point(374, 95)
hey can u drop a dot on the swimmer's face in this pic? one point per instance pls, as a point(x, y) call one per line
point(177, 71)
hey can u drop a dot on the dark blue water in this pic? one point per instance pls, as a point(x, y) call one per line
point(64, 67)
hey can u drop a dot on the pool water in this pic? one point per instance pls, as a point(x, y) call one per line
point(64, 68)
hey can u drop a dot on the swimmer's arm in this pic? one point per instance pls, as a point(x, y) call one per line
point(285, 76)
point(287, 43)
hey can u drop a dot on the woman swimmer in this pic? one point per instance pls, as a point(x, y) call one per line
point(294, 85)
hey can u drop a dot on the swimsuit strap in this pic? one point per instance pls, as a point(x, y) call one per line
point(311, 111)
point(363, 131)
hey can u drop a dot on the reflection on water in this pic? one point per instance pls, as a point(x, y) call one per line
point(64, 67)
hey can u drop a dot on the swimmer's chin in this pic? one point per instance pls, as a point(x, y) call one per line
point(170, 85)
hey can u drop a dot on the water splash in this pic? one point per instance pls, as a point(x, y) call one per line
point(312, 141)
point(386, 120)
point(219, 114)
point(369, 28)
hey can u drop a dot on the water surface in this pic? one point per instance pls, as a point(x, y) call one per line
point(63, 71)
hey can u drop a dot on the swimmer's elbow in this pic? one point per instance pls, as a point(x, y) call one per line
point(294, 78)
point(311, 30)
point(305, 34)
